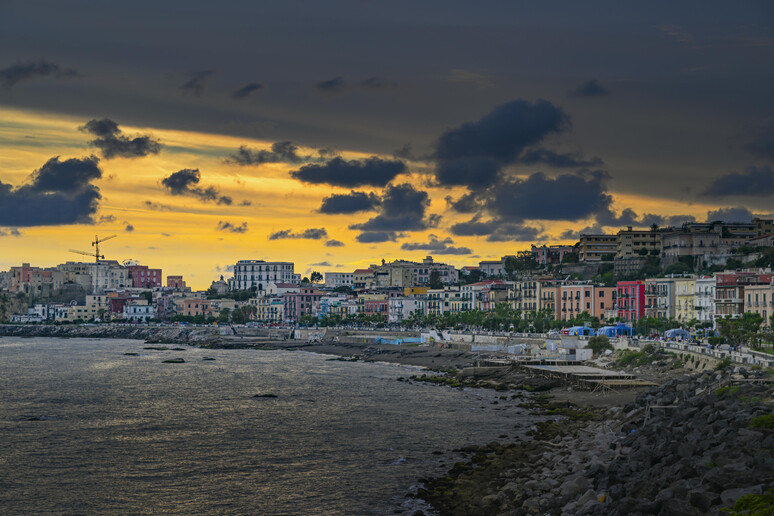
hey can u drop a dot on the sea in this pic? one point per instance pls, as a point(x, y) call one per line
point(97, 426)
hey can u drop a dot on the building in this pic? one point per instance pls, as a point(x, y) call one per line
point(470, 294)
point(401, 308)
point(730, 289)
point(304, 302)
point(760, 299)
point(193, 307)
point(685, 297)
point(763, 227)
point(594, 247)
point(139, 312)
point(704, 300)
point(363, 279)
point(270, 309)
point(108, 275)
point(176, 282)
point(492, 268)
point(220, 286)
point(631, 242)
point(630, 300)
point(705, 243)
point(575, 298)
point(140, 276)
point(339, 279)
point(257, 274)
point(404, 273)
point(551, 254)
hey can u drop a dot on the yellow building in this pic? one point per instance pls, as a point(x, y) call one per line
point(685, 296)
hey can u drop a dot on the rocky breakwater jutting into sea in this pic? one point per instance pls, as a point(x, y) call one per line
point(700, 444)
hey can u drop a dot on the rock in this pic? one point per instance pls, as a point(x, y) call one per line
point(174, 361)
point(587, 497)
point(531, 505)
point(703, 500)
point(573, 486)
point(677, 507)
point(730, 496)
point(269, 395)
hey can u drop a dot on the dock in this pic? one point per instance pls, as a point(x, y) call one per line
point(586, 377)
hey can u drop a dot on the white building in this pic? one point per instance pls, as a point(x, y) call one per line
point(401, 308)
point(339, 279)
point(704, 299)
point(258, 273)
point(139, 312)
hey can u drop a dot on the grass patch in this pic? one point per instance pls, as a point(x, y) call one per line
point(635, 358)
point(753, 505)
point(763, 422)
point(723, 364)
point(728, 389)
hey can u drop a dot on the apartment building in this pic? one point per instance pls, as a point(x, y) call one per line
point(593, 247)
point(631, 242)
point(630, 300)
point(760, 299)
point(258, 273)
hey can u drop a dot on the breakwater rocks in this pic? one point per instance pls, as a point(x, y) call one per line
point(692, 446)
point(204, 337)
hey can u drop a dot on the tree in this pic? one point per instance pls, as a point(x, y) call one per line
point(224, 315)
point(148, 295)
point(343, 289)
point(741, 330)
point(435, 280)
point(523, 261)
point(599, 343)
point(316, 277)
point(570, 258)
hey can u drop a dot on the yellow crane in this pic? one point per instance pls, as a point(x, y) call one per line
point(95, 254)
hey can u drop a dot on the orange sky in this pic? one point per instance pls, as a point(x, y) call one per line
point(183, 239)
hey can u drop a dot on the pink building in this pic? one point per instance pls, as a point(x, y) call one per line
point(377, 307)
point(630, 300)
point(574, 299)
point(143, 277)
point(304, 302)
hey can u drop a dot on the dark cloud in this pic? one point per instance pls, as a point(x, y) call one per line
point(246, 90)
point(31, 69)
point(281, 152)
point(106, 219)
point(754, 181)
point(571, 234)
point(335, 85)
point(738, 214)
point(352, 202)
point(185, 182)
point(321, 264)
point(378, 83)
point(10, 232)
point(591, 88)
point(334, 243)
point(628, 217)
point(763, 144)
point(565, 197)
point(467, 203)
point(159, 207)
point(406, 153)
point(436, 246)
point(129, 228)
point(474, 153)
point(310, 234)
point(648, 219)
point(558, 160)
point(113, 143)
point(246, 203)
point(402, 209)
point(376, 237)
point(352, 173)
point(59, 192)
point(232, 228)
point(195, 85)
point(497, 230)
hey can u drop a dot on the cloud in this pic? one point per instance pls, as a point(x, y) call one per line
point(195, 85)
point(570, 234)
point(566, 197)
point(648, 219)
point(246, 90)
point(334, 243)
point(232, 228)
point(474, 153)
point(558, 160)
point(467, 203)
point(754, 181)
point(281, 152)
point(185, 181)
point(461, 76)
point(321, 264)
point(402, 209)
point(497, 231)
point(590, 88)
point(378, 83)
point(376, 237)
point(10, 232)
point(106, 219)
point(113, 143)
point(22, 71)
point(246, 203)
point(309, 234)
point(129, 228)
point(158, 206)
point(763, 144)
point(59, 192)
point(738, 214)
point(436, 246)
point(335, 85)
point(352, 173)
point(352, 202)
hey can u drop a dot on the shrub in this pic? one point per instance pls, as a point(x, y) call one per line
point(766, 421)
point(599, 343)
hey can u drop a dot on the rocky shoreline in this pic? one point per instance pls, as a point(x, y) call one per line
point(692, 446)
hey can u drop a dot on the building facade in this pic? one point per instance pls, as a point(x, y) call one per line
point(258, 273)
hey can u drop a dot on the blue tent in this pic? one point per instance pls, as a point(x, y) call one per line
point(616, 331)
point(580, 330)
point(677, 333)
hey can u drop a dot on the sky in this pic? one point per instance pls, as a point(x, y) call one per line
point(336, 134)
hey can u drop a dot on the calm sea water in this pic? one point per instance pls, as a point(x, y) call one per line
point(131, 434)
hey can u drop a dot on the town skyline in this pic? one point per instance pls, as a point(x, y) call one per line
point(199, 159)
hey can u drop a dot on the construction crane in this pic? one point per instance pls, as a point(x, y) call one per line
point(95, 254)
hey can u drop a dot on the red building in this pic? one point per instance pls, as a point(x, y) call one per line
point(630, 300)
point(304, 302)
point(143, 277)
point(175, 282)
point(377, 307)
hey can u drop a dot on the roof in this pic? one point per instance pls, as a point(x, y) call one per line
point(363, 271)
